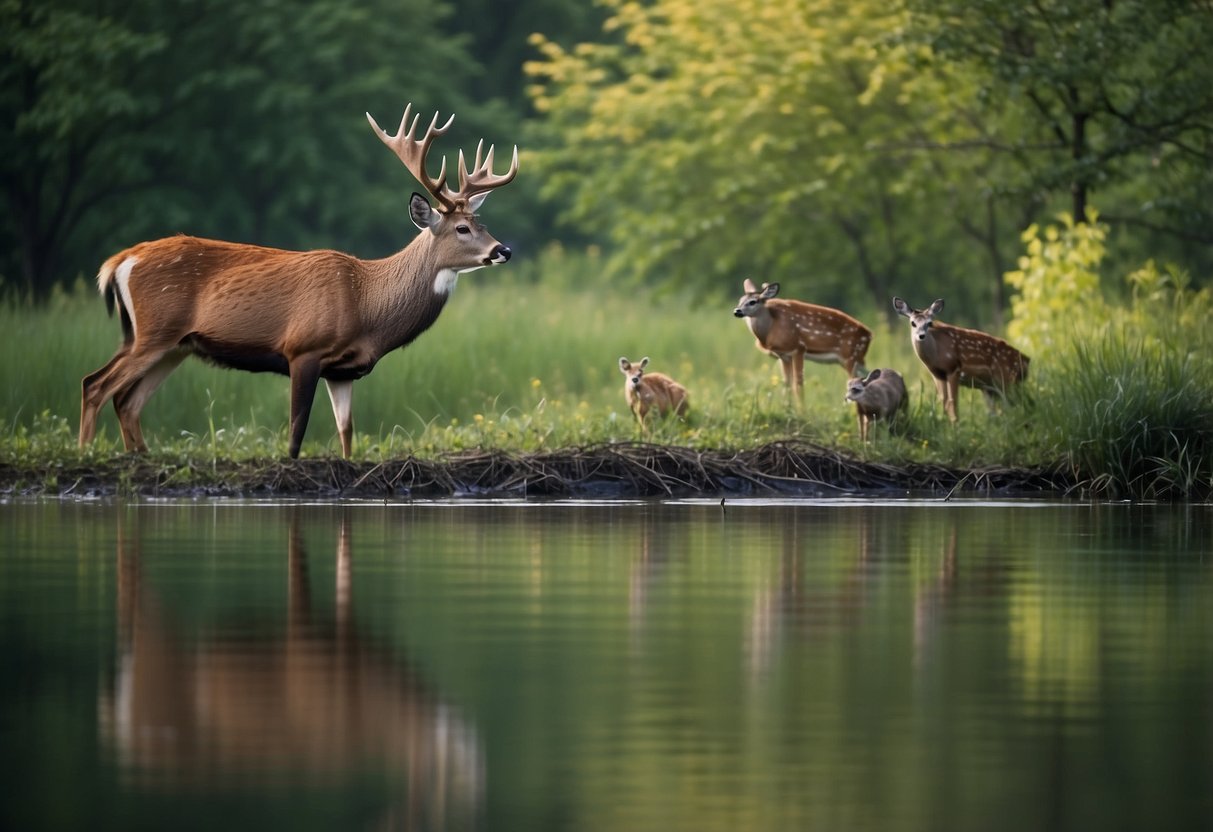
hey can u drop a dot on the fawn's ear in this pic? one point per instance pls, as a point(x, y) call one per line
point(769, 290)
point(624, 364)
point(748, 287)
point(872, 376)
point(901, 307)
point(936, 307)
point(644, 362)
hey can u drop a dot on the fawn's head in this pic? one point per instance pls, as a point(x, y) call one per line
point(754, 299)
point(857, 386)
point(920, 319)
point(633, 372)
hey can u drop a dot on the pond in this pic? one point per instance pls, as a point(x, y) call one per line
point(683, 665)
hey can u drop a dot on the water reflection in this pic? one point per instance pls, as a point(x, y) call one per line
point(308, 698)
point(832, 567)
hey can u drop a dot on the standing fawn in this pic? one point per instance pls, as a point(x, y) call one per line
point(306, 315)
point(956, 356)
point(651, 391)
point(792, 331)
point(881, 395)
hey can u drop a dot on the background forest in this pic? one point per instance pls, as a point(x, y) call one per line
point(863, 147)
point(1047, 167)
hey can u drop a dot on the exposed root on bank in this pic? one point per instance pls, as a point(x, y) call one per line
point(613, 470)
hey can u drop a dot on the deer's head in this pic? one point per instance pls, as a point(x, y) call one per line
point(752, 302)
point(920, 319)
point(633, 372)
point(463, 244)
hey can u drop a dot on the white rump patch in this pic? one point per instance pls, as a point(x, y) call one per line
point(122, 276)
point(445, 282)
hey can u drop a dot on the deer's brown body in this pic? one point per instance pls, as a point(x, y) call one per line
point(309, 315)
point(881, 395)
point(649, 392)
point(792, 331)
point(955, 356)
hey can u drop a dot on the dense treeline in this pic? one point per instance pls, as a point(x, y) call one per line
point(854, 150)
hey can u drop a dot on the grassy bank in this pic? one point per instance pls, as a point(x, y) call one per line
point(524, 360)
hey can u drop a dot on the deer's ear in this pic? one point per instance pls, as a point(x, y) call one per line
point(624, 364)
point(936, 307)
point(644, 362)
point(901, 307)
point(420, 212)
point(770, 290)
point(476, 201)
point(748, 287)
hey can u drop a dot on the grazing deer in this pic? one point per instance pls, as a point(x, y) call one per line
point(956, 356)
point(880, 395)
point(308, 315)
point(792, 331)
point(651, 391)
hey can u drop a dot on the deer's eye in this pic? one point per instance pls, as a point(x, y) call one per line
point(463, 229)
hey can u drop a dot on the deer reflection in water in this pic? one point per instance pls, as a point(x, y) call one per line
point(817, 593)
point(314, 700)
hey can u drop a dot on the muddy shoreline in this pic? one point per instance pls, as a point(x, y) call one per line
point(616, 470)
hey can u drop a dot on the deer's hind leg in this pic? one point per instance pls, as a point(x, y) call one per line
point(89, 405)
point(129, 402)
point(123, 372)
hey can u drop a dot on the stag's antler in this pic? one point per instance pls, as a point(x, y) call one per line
point(412, 152)
point(482, 179)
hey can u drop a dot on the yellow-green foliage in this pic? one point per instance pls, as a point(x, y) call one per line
point(1124, 393)
point(1057, 284)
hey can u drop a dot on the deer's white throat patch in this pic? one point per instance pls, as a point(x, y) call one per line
point(445, 282)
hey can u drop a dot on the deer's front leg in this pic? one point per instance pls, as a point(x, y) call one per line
point(785, 362)
point(798, 372)
point(305, 375)
point(951, 391)
point(341, 394)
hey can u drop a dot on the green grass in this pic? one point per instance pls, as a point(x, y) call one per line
point(524, 358)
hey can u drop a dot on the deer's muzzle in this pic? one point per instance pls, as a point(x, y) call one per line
point(499, 254)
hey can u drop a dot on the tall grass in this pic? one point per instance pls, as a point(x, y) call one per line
point(526, 358)
point(1134, 415)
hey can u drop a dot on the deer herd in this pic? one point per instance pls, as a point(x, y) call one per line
point(327, 315)
point(792, 331)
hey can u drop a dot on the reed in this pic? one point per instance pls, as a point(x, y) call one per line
point(1133, 415)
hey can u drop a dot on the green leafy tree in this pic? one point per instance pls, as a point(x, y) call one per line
point(773, 158)
point(1108, 97)
point(865, 148)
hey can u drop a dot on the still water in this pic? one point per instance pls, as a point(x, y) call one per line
point(624, 666)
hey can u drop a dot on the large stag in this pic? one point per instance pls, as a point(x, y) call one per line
point(308, 315)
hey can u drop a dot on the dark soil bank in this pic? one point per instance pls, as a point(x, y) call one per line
point(625, 470)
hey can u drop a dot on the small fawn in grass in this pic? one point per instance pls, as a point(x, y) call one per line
point(646, 392)
point(879, 395)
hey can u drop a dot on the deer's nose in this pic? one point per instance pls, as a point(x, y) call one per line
point(500, 254)
point(737, 313)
